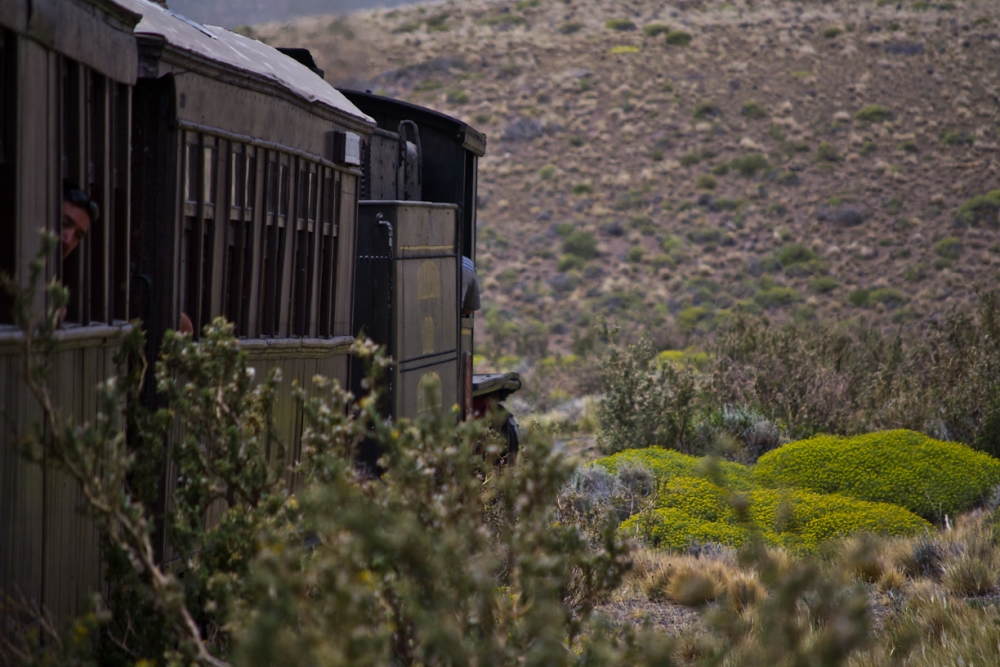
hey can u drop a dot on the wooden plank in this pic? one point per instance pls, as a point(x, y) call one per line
point(344, 301)
point(256, 257)
point(222, 153)
point(285, 301)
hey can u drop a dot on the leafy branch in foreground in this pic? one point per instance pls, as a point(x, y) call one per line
point(97, 455)
point(441, 560)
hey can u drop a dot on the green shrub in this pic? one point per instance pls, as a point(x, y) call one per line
point(690, 159)
point(630, 200)
point(504, 20)
point(581, 244)
point(654, 29)
point(752, 109)
point(827, 152)
point(929, 477)
point(776, 296)
point(983, 209)
point(635, 254)
point(693, 509)
point(570, 262)
point(582, 189)
point(873, 113)
point(705, 109)
point(457, 96)
point(621, 25)
point(428, 85)
point(859, 297)
point(823, 284)
point(788, 177)
point(887, 296)
point(670, 528)
point(571, 28)
point(644, 403)
point(405, 28)
point(720, 169)
point(668, 463)
point(795, 253)
point(436, 23)
point(955, 138)
point(547, 172)
point(678, 38)
point(832, 32)
point(750, 165)
point(949, 248)
point(705, 182)
point(690, 317)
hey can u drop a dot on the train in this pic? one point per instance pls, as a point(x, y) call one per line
point(191, 173)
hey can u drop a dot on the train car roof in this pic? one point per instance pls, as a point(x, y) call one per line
point(96, 33)
point(470, 138)
point(242, 53)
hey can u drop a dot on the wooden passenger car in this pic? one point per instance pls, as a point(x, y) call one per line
point(66, 74)
point(245, 186)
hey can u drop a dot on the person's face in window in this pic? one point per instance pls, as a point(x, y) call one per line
point(75, 224)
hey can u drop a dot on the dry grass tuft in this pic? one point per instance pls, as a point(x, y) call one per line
point(861, 557)
point(744, 591)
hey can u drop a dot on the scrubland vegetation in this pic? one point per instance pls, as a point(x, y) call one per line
point(724, 527)
point(786, 454)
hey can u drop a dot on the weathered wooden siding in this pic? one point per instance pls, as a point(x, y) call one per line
point(49, 549)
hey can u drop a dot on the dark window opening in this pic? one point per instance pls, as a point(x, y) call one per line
point(238, 256)
point(8, 161)
point(196, 272)
point(118, 218)
point(98, 260)
point(272, 252)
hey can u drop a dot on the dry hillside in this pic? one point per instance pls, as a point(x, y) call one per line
point(673, 164)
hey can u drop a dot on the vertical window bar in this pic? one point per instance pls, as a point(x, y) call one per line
point(70, 108)
point(120, 178)
point(99, 261)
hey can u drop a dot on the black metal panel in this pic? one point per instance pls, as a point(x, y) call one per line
point(372, 289)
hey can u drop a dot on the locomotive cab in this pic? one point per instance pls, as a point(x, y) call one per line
point(416, 221)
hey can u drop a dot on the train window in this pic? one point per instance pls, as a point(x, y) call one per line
point(196, 271)
point(8, 139)
point(198, 241)
point(273, 243)
point(93, 207)
point(191, 170)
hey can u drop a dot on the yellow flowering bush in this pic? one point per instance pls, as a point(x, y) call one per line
point(671, 528)
point(693, 509)
point(926, 476)
point(667, 463)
